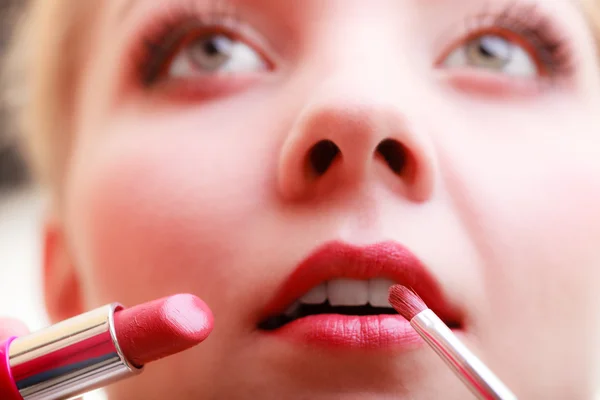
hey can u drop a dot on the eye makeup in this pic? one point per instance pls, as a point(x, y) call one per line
point(521, 24)
point(181, 24)
point(529, 26)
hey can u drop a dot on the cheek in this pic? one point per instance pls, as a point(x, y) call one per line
point(163, 215)
point(529, 198)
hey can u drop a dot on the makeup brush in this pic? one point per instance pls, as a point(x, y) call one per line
point(478, 378)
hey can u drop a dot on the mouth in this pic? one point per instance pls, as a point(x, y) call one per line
point(338, 296)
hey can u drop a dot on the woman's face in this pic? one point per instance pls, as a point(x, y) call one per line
point(250, 152)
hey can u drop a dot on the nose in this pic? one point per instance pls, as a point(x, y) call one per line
point(341, 141)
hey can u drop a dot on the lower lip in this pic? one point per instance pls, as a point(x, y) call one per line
point(352, 332)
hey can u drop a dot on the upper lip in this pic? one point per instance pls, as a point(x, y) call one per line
point(388, 260)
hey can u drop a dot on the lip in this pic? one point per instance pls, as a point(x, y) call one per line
point(333, 260)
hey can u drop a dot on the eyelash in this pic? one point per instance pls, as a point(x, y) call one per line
point(536, 30)
point(161, 41)
point(161, 44)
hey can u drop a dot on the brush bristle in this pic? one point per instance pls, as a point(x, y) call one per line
point(406, 302)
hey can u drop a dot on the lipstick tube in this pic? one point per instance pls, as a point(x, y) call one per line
point(65, 360)
point(100, 347)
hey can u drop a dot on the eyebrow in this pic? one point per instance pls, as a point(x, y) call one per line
point(127, 5)
point(587, 9)
point(124, 8)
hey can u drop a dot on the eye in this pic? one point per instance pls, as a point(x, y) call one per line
point(213, 53)
point(496, 53)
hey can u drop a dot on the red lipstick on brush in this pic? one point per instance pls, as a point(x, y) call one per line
point(482, 382)
point(352, 327)
point(100, 347)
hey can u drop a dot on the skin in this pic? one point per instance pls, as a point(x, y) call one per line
point(209, 195)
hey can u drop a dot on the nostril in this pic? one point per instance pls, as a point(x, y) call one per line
point(322, 155)
point(394, 154)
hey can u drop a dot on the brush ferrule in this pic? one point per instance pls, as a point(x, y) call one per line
point(480, 379)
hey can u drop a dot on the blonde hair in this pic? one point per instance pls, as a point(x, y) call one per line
point(41, 76)
point(40, 80)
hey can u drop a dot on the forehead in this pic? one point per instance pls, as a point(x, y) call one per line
point(127, 12)
point(125, 6)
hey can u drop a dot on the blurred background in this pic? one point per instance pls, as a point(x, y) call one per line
point(20, 214)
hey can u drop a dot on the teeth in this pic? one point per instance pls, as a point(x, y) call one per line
point(378, 292)
point(348, 292)
point(316, 296)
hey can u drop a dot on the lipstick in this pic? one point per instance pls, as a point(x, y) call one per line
point(330, 328)
point(100, 347)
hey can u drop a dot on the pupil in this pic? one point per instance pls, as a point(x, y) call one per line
point(216, 45)
point(211, 53)
point(211, 47)
point(484, 51)
point(494, 47)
